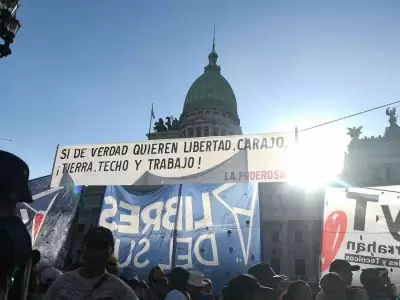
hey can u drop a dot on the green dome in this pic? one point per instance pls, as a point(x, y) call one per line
point(211, 90)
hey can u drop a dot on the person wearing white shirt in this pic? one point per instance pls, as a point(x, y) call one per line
point(92, 280)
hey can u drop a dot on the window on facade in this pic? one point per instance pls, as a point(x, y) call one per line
point(184, 133)
point(206, 131)
point(223, 132)
point(215, 131)
point(198, 131)
point(275, 237)
point(190, 132)
point(276, 265)
point(299, 267)
point(298, 236)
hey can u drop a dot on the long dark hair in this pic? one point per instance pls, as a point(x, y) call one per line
point(150, 278)
point(293, 289)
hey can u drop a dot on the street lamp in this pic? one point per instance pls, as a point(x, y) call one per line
point(9, 25)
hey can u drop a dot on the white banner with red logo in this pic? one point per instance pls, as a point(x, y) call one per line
point(362, 226)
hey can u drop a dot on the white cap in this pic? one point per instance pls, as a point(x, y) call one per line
point(197, 279)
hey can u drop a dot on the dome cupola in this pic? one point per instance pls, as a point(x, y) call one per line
point(211, 90)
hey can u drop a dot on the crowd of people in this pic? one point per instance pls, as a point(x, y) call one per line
point(100, 278)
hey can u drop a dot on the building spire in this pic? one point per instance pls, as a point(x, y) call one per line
point(213, 57)
point(213, 47)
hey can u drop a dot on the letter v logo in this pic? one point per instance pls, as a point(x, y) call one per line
point(249, 213)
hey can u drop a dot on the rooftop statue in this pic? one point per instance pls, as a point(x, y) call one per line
point(393, 130)
point(354, 132)
point(391, 112)
point(171, 124)
point(160, 126)
point(175, 123)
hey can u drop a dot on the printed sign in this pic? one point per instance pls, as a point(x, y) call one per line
point(217, 229)
point(361, 226)
point(49, 218)
point(203, 160)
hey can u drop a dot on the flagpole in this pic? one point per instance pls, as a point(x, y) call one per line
point(151, 118)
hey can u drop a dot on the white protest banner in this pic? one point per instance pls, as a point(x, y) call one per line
point(174, 161)
point(361, 226)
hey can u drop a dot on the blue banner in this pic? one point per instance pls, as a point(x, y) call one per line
point(217, 229)
point(49, 219)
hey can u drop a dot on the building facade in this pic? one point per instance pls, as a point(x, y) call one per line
point(374, 161)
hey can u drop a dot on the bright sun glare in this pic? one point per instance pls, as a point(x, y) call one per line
point(315, 161)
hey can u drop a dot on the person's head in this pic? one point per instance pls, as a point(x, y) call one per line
point(224, 294)
point(98, 246)
point(208, 288)
point(112, 265)
point(247, 287)
point(196, 282)
point(156, 275)
point(14, 177)
point(333, 286)
point(298, 290)
point(178, 279)
point(344, 269)
point(267, 277)
point(376, 280)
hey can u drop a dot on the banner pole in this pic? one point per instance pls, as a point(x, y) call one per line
point(175, 234)
point(54, 163)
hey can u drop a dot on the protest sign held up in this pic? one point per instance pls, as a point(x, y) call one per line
point(361, 226)
point(201, 160)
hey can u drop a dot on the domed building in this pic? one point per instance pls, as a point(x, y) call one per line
point(291, 219)
point(210, 107)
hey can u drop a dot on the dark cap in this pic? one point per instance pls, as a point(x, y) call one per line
point(370, 274)
point(14, 177)
point(342, 265)
point(99, 237)
point(265, 274)
point(245, 284)
point(178, 274)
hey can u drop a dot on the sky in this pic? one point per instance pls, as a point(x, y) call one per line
point(86, 72)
